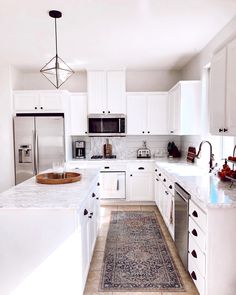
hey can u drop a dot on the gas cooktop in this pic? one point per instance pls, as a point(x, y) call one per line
point(101, 157)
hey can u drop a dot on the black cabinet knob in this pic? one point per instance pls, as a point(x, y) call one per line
point(194, 232)
point(142, 131)
point(220, 130)
point(97, 198)
point(194, 254)
point(193, 275)
point(131, 174)
point(103, 112)
point(170, 187)
point(98, 184)
point(159, 174)
point(85, 212)
point(225, 129)
point(109, 112)
point(86, 132)
point(195, 213)
point(164, 180)
point(171, 131)
point(41, 108)
point(35, 108)
point(155, 170)
point(93, 195)
point(148, 132)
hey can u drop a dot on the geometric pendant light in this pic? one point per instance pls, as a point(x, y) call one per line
point(56, 70)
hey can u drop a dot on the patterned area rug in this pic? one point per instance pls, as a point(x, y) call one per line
point(136, 256)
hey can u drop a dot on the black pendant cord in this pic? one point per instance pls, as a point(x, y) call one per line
point(56, 61)
point(56, 36)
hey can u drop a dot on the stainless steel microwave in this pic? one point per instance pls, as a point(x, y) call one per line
point(107, 125)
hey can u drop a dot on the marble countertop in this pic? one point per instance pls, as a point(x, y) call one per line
point(30, 194)
point(206, 189)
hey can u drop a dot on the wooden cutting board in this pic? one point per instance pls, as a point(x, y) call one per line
point(191, 154)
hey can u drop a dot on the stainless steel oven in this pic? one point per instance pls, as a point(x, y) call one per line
point(181, 222)
point(107, 125)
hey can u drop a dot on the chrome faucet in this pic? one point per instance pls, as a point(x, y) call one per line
point(211, 154)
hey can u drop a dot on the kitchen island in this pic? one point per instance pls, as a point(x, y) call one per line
point(47, 236)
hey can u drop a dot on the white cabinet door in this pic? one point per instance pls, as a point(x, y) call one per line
point(157, 191)
point(116, 100)
point(97, 95)
point(174, 101)
point(157, 113)
point(26, 101)
point(140, 186)
point(78, 114)
point(217, 92)
point(136, 114)
point(231, 89)
point(50, 101)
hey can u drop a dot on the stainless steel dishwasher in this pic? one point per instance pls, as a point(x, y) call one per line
point(181, 222)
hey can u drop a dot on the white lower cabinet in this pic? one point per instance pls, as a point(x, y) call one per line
point(88, 216)
point(140, 185)
point(212, 255)
point(164, 197)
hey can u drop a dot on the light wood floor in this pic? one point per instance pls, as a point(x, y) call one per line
point(96, 264)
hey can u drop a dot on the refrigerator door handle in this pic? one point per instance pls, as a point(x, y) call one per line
point(36, 153)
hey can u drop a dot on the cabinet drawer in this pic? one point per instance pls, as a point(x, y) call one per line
point(197, 256)
point(140, 166)
point(197, 234)
point(198, 215)
point(198, 280)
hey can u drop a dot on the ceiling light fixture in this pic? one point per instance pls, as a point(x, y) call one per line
point(56, 70)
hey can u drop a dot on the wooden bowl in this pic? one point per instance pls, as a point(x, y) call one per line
point(58, 178)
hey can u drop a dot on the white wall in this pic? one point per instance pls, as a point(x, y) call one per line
point(193, 70)
point(151, 80)
point(135, 81)
point(35, 80)
point(6, 130)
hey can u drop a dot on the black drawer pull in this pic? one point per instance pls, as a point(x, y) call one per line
point(93, 195)
point(35, 108)
point(97, 198)
point(164, 180)
point(159, 174)
point(85, 212)
point(170, 187)
point(193, 275)
point(194, 232)
point(98, 184)
point(155, 170)
point(106, 167)
point(220, 130)
point(195, 213)
point(171, 131)
point(140, 168)
point(194, 254)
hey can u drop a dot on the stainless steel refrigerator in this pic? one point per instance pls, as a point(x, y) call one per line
point(39, 141)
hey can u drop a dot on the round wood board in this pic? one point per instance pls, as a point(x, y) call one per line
point(58, 178)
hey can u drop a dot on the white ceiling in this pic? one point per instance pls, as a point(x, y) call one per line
point(135, 34)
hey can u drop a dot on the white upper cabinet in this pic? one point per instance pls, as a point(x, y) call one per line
point(147, 113)
point(106, 92)
point(40, 101)
point(184, 115)
point(231, 89)
point(78, 114)
point(217, 92)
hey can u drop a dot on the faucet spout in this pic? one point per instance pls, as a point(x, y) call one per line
point(211, 154)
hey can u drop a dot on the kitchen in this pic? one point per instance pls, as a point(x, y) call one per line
point(143, 89)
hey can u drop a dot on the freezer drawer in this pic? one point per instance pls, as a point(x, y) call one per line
point(112, 185)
